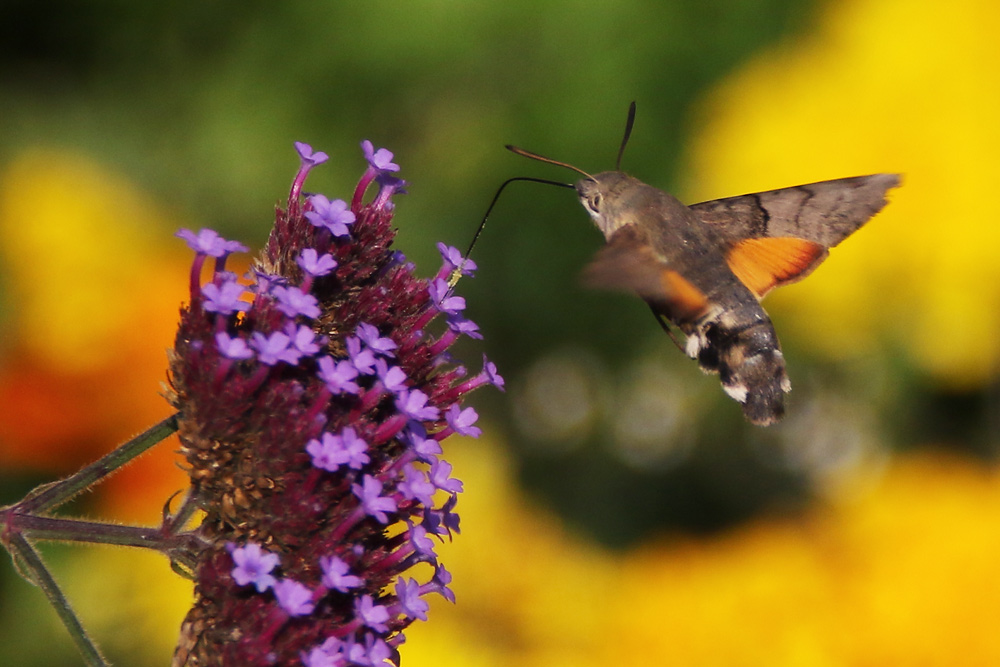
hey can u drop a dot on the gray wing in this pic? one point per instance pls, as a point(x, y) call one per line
point(826, 212)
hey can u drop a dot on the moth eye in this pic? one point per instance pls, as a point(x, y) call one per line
point(595, 202)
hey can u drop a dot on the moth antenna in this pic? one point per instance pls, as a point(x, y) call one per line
point(628, 133)
point(542, 158)
point(457, 271)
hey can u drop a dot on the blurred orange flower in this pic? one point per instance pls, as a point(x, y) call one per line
point(93, 281)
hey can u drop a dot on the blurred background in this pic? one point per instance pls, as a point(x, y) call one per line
point(618, 507)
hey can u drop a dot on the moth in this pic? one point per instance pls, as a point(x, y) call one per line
point(704, 268)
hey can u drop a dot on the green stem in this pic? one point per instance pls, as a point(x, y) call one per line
point(30, 563)
point(53, 495)
point(12, 521)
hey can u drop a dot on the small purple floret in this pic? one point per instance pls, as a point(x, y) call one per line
point(462, 420)
point(336, 574)
point(274, 348)
point(440, 295)
point(373, 615)
point(304, 339)
point(491, 374)
point(408, 592)
point(292, 301)
point(422, 544)
point(208, 242)
point(463, 326)
point(413, 404)
point(373, 653)
point(362, 358)
point(295, 598)
point(393, 377)
point(232, 348)
point(332, 215)
point(314, 264)
point(332, 451)
point(441, 477)
point(416, 486)
point(369, 492)
point(339, 376)
point(308, 156)
point(253, 566)
point(453, 259)
point(225, 298)
point(381, 159)
point(370, 336)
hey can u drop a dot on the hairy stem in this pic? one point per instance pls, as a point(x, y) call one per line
point(30, 564)
point(55, 494)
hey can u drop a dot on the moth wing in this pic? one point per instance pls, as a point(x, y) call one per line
point(777, 237)
point(628, 263)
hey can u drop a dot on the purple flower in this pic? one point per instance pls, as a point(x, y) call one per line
point(416, 486)
point(426, 448)
point(253, 566)
point(374, 652)
point(303, 339)
point(362, 358)
point(327, 453)
point(293, 597)
point(413, 404)
point(393, 378)
point(293, 301)
point(332, 451)
point(315, 264)
point(371, 337)
point(369, 492)
point(453, 259)
point(355, 448)
point(408, 593)
point(332, 215)
point(380, 160)
point(461, 325)
point(439, 293)
point(338, 375)
point(422, 544)
point(440, 477)
point(461, 421)
point(223, 299)
point(234, 348)
point(208, 242)
point(274, 348)
point(373, 615)
point(336, 574)
point(308, 157)
point(267, 282)
point(442, 578)
point(491, 374)
point(328, 654)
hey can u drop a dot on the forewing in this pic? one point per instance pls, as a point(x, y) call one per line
point(777, 237)
point(628, 263)
point(826, 212)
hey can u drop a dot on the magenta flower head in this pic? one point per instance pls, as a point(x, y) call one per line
point(312, 397)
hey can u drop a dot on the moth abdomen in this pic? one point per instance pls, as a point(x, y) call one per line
point(751, 367)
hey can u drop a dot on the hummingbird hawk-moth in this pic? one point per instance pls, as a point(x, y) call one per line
point(705, 267)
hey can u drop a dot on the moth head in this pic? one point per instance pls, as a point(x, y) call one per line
point(603, 195)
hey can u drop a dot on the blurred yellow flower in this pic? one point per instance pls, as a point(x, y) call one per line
point(905, 575)
point(880, 85)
